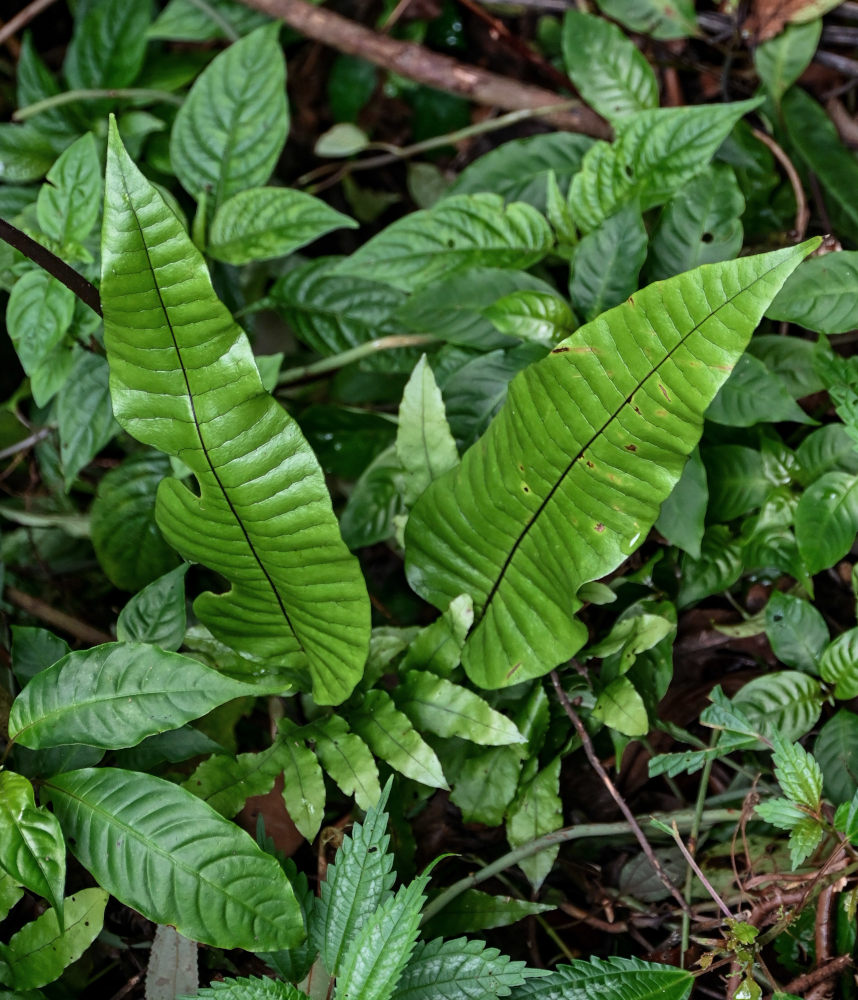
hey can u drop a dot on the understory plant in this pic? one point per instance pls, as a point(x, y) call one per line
point(556, 417)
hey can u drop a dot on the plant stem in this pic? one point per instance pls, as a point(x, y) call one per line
point(217, 17)
point(59, 619)
point(73, 96)
point(692, 846)
point(355, 354)
point(682, 819)
point(23, 18)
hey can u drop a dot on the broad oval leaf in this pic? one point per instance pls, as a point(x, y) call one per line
point(32, 849)
point(474, 230)
point(658, 18)
point(268, 222)
point(157, 613)
point(796, 630)
point(821, 294)
point(826, 520)
point(108, 45)
point(182, 20)
point(780, 61)
point(303, 781)
point(39, 313)
point(183, 379)
point(171, 857)
point(839, 664)
point(116, 695)
point(785, 704)
point(231, 129)
point(569, 478)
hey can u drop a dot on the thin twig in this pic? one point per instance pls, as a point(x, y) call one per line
point(596, 764)
point(215, 15)
point(97, 94)
point(827, 971)
point(355, 354)
point(698, 871)
point(38, 608)
point(86, 292)
point(423, 66)
point(23, 18)
point(27, 442)
point(802, 212)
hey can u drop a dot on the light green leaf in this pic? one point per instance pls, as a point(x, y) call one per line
point(781, 813)
point(226, 783)
point(780, 61)
point(358, 883)
point(537, 810)
point(173, 968)
point(84, 415)
point(346, 758)
point(126, 539)
point(332, 313)
point(375, 502)
point(343, 139)
point(438, 647)
point(620, 707)
point(465, 231)
point(32, 849)
point(785, 703)
point(165, 853)
point(654, 153)
point(184, 380)
point(69, 203)
point(376, 957)
point(52, 374)
point(268, 222)
point(796, 630)
point(183, 21)
point(682, 516)
point(826, 520)
point(303, 781)
point(448, 709)
point(10, 893)
point(484, 782)
point(635, 632)
point(541, 317)
point(424, 444)
point(474, 911)
point(231, 129)
point(38, 316)
point(108, 44)
point(39, 952)
point(821, 294)
point(391, 736)
point(607, 262)
point(519, 170)
point(459, 970)
point(607, 68)
point(157, 613)
point(701, 224)
point(836, 750)
point(804, 838)
point(754, 395)
point(846, 819)
point(838, 664)
point(117, 694)
point(570, 476)
point(798, 774)
point(26, 154)
point(248, 988)
point(626, 978)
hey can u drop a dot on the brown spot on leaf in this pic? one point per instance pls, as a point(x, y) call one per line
point(600, 527)
point(590, 464)
point(560, 350)
point(512, 670)
point(663, 392)
point(631, 447)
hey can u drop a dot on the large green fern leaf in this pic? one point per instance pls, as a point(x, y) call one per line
point(569, 477)
point(183, 379)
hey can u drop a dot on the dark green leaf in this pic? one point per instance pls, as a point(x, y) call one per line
point(38, 316)
point(796, 630)
point(70, 201)
point(785, 704)
point(780, 61)
point(34, 649)
point(839, 664)
point(826, 520)
point(474, 911)
point(821, 294)
point(157, 613)
point(659, 18)
point(184, 21)
point(458, 970)
point(108, 44)
point(374, 502)
point(753, 395)
point(836, 751)
point(682, 515)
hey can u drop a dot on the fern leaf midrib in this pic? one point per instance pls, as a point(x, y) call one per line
point(203, 447)
point(478, 618)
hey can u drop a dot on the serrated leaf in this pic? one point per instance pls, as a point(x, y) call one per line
point(171, 857)
point(38, 316)
point(172, 968)
point(701, 224)
point(796, 630)
point(537, 810)
point(838, 664)
point(607, 262)
point(303, 781)
point(226, 783)
point(607, 68)
point(424, 444)
point(836, 751)
point(785, 703)
point(358, 883)
point(346, 758)
point(39, 952)
point(108, 44)
point(620, 978)
point(821, 294)
point(459, 970)
point(184, 380)
point(375, 959)
point(391, 736)
point(474, 911)
point(780, 61)
point(798, 774)
point(804, 838)
point(32, 849)
point(654, 153)
point(248, 988)
point(231, 129)
point(463, 231)
point(129, 545)
point(267, 222)
point(115, 695)
point(570, 475)
point(157, 613)
point(826, 520)
point(448, 709)
point(182, 21)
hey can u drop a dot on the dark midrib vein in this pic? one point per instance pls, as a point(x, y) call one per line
point(582, 451)
point(203, 446)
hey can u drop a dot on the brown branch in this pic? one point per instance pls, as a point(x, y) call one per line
point(59, 619)
point(23, 18)
point(56, 266)
point(596, 764)
point(821, 975)
point(802, 212)
point(429, 68)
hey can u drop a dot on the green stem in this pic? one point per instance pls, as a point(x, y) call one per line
point(214, 15)
point(73, 96)
point(694, 833)
point(355, 354)
point(683, 819)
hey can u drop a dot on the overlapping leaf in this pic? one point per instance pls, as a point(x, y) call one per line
point(569, 477)
point(183, 379)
